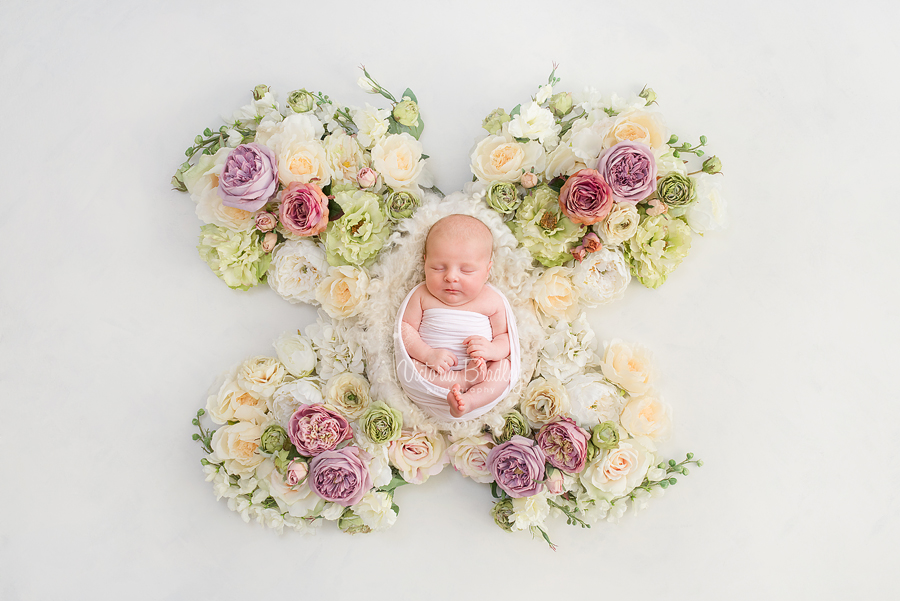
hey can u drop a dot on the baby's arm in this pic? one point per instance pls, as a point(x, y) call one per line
point(439, 360)
point(498, 348)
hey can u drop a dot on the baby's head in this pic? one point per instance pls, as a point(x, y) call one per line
point(458, 251)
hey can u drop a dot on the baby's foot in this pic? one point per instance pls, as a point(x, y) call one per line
point(456, 401)
point(476, 372)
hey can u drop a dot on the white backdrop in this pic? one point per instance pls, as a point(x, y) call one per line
point(775, 338)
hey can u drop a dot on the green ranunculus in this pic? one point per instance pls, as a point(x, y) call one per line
point(676, 190)
point(493, 123)
point(561, 104)
point(301, 101)
point(381, 423)
point(359, 234)
point(605, 435)
point(401, 205)
point(351, 523)
point(514, 424)
point(502, 513)
point(712, 165)
point(503, 197)
point(657, 248)
point(274, 439)
point(260, 91)
point(540, 226)
point(407, 112)
point(236, 257)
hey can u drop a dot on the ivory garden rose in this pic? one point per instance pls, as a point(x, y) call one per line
point(418, 455)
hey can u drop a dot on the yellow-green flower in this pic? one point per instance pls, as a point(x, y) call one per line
point(493, 123)
point(381, 423)
point(676, 190)
point(236, 257)
point(657, 248)
point(540, 226)
point(401, 205)
point(503, 197)
point(407, 112)
point(359, 234)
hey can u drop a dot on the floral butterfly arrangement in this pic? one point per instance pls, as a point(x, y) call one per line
point(595, 188)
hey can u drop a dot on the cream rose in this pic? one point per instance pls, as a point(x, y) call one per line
point(501, 159)
point(349, 394)
point(234, 403)
point(601, 277)
point(616, 472)
point(544, 400)
point(648, 416)
point(237, 446)
point(343, 291)
point(376, 510)
point(555, 295)
point(297, 269)
point(469, 456)
point(345, 156)
point(628, 365)
point(296, 353)
point(638, 125)
point(594, 400)
point(301, 157)
point(261, 375)
point(418, 455)
point(298, 500)
point(620, 225)
point(398, 158)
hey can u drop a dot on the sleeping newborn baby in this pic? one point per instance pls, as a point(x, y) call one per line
point(457, 332)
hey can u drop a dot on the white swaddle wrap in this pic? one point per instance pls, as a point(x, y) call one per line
point(448, 328)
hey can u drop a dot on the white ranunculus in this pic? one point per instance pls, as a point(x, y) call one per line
point(469, 456)
point(616, 472)
point(251, 114)
point(418, 454)
point(300, 154)
point(544, 400)
point(568, 349)
point(535, 123)
point(345, 156)
point(232, 403)
point(708, 212)
point(372, 123)
point(376, 511)
point(288, 398)
point(602, 277)
point(648, 416)
point(628, 366)
point(237, 447)
point(586, 139)
point(261, 375)
point(619, 225)
point(562, 161)
point(295, 351)
point(297, 269)
point(398, 159)
point(298, 500)
point(348, 393)
point(555, 295)
point(342, 292)
point(501, 159)
point(338, 352)
point(529, 511)
point(594, 400)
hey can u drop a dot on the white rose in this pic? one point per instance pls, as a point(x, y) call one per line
point(298, 500)
point(349, 394)
point(555, 295)
point(648, 416)
point(261, 375)
point(638, 125)
point(297, 269)
point(418, 455)
point(628, 365)
point(568, 349)
point(469, 456)
point(376, 511)
point(237, 446)
point(398, 159)
point(301, 157)
point(288, 398)
point(345, 156)
point(544, 400)
point(619, 225)
point(295, 351)
point(594, 400)
point(708, 212)
point(602, 277)
point(529, 511)
point(234, 403)
point(535, 123)
point(372, 123)
point(343, 291)
point(616, 472)
point(501, 159)
point(562, 161)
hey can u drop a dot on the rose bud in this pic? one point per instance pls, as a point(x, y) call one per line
point(554, 482)
point(366, 178)
point(295, 473)
point(529, 180)
point(265, 222)
point(579, 252)
point(301, 101)
point(406, 113)
point(260, 91)
point(591, 242)
point(269, 242)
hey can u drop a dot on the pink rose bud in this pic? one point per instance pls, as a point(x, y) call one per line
point(265, 222)
point(555, 484)
point(529, 180)
point(579, 252)
point(657, 207)
point(295, 473)
point(591, 242)
point(269, 242)
point(366, 178)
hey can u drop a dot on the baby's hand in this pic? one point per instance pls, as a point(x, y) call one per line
point(440, 360)
point(478, 347)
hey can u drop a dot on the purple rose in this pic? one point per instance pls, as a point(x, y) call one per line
point(249, 178)
point(585, 197)
point(630, 170)
point(340, 476)
point(518, 466)
point(564, 444)
point(315, 429)
point(304, 209)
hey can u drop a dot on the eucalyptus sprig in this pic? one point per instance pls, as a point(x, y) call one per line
point(571, 518)
point(205, 435)
point(686, 147)
point(671, 467)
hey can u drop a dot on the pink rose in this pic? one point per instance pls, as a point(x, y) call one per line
point(315, 428)
point(555, 483)
point(630, 170)
point(265, 222)
point(249, 178)
point(366, 177)
point(585, 197)
point(579, 252)
point(564, 444)
point(295, 473)
point(304, 209)
point(529, 180)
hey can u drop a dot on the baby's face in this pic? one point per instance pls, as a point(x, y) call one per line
point(456, 272)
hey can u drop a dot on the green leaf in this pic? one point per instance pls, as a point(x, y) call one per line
point(516, 110)
point(398, 128)
point(395, 483)
point(408, 92)
point(396, 508)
